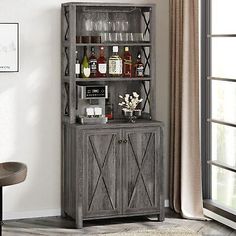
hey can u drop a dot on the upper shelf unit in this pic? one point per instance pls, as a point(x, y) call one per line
point(109, 24)
point(96, 25)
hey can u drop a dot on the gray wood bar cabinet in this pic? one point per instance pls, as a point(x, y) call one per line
point(113, 169)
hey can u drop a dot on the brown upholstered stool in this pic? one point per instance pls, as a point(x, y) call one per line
point(10, 173)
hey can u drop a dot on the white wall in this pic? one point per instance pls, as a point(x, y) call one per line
point(30, 104)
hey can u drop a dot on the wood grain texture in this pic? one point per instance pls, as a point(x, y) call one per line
point(102, 173)
point(101, 177)
point(141, 167)
point(72, 49)
point(112, 172)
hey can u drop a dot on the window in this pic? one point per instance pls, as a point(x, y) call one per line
point(218, 102)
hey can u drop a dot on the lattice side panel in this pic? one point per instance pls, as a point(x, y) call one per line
point(66, 99)
point(66, 26)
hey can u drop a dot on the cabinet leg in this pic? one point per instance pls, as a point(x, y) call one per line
point(79, 223)
point(63, 214)
point(161, 216)
point(79, 218)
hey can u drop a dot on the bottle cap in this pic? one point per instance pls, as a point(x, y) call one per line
point(126, 49)
point(115, 49)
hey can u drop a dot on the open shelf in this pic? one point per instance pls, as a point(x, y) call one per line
point(110, 44)
point(66, 79)
point(107, 79)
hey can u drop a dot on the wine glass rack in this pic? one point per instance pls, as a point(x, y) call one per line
point(72, 26)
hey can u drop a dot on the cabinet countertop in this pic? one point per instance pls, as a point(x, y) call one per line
point(140, 123)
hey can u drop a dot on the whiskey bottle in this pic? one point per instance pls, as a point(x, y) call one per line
point(115, 63)
point(127, 63)
point(102, 64)
point(85, 69)
point(93, 63)
point(138, 67)
point(77, 65)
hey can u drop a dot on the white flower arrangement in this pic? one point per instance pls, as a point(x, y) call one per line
point(130, 102)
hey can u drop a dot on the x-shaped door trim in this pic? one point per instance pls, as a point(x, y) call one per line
point(140, 171)
point(101, 169)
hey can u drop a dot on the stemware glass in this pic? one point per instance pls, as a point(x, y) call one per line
point(124, 26)
point(88, 22)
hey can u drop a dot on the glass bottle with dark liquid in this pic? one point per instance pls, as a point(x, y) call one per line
point(127, 63)
point(77, 65)
point(93, 63)
point(102, 64)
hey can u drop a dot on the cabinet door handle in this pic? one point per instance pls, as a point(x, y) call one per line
point(125, 141)
point(120, 141)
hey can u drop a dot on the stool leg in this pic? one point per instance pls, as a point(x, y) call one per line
point(1, 210)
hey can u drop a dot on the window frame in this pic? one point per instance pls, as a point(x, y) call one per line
point(206, 120)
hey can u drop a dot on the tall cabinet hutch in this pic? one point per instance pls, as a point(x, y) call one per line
point(111, 169)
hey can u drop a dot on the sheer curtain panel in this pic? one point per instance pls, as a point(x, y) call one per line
point(185, 177)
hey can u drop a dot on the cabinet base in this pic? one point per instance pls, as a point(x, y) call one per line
point(79, 222)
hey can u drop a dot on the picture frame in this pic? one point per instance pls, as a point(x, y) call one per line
point(9, 47)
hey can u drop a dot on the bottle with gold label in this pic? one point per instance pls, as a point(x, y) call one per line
point(85, 68)
point(115, 63)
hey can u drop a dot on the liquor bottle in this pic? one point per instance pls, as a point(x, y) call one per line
point(85, 69)
point(102, 64)
point(93, 63)
point(77, 65)
point(109, 111)
point(127, 63)
point(115, 63)
point(138, 67)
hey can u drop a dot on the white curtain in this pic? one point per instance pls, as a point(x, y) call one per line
point(185, 178)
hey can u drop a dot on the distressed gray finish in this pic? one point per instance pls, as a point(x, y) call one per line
point(113, 172)
point(114, 169)
point(142, 158)
point(102, 173)
point(73, 25)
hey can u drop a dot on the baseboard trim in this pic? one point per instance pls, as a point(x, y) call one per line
point(31, 214)
point(219, 218)
point(41, 213)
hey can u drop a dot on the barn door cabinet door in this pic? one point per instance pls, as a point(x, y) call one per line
point(122, 172)
point(102, 173)
point(141, 180)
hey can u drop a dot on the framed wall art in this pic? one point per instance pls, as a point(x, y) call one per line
point(9, 47)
